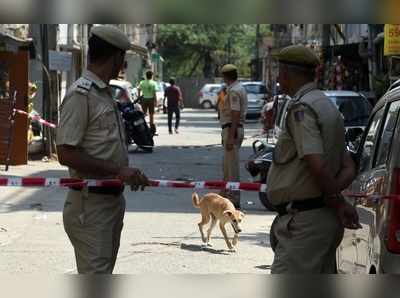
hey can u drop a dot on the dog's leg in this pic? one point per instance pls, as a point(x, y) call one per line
point(228, 242)
point(235, 239)
point(205, 218)
point(213, 223)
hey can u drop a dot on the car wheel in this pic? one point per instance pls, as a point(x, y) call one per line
point(206, 104)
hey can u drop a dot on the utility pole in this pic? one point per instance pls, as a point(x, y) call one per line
point(229, 49)
point(257, 58)
point(48, 33)
point(44, 34)
point(326, 35)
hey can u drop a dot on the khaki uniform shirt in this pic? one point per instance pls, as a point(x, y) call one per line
point(313, 126)
point(90, 120)
point(235, 100)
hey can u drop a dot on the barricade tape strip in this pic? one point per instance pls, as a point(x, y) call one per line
point(37, 118)
point(215, 185)
point(66, 182)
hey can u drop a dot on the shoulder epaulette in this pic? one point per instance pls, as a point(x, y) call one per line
point(83, 85)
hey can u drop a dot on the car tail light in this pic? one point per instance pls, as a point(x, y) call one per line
point(393, 243)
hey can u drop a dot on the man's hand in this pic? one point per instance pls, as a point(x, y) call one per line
point(134, 177)
point(348, 216)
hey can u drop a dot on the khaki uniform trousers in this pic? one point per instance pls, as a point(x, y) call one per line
point(93, 223)
point(231, 164)
point(306, 242)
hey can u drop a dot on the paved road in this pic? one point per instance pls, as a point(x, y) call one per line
point(160, 233)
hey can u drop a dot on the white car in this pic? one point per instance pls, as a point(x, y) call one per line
point(208, 95)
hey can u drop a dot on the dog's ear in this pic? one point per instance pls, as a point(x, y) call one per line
point(228, 212)
point(242, 214)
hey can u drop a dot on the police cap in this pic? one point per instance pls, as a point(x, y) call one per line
point(298, 55)
point(228, 68)
point(112, 35)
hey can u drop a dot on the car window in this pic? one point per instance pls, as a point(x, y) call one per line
point(370, 141)
point(255, 89)
point(214, 89)
point(355, 109)
point(385, 140)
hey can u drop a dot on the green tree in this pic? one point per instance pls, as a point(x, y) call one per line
point(200, 49)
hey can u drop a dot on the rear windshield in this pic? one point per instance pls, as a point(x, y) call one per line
point(255, 89)
point(355, 110)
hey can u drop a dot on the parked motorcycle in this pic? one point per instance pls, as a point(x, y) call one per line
point(136, 128)
point(258, 167)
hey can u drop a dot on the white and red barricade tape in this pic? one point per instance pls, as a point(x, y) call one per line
point(37, 118)
point(67, 182)
point(215, 185)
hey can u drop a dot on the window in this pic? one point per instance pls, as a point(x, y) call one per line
point(355, 110)
point(370, 140)
point(214, 89)
point(387, 134)
point(255, 89)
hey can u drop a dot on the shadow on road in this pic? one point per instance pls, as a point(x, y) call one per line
point(200, 248)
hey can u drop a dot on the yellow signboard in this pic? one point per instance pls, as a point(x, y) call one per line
point(392, 40)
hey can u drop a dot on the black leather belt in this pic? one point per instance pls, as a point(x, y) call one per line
point(116, 191)
point(299, 206)
point(230, 125)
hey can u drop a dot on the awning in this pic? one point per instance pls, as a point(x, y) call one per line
point(12, 43)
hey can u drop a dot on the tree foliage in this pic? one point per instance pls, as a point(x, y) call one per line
point(200, 49)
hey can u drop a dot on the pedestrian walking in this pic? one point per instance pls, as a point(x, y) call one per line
point(232, 117)
point(91, 142)
point(310, 169)
point(147, 91)
point(173, 95)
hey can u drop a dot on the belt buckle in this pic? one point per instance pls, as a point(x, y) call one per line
point(291, 210)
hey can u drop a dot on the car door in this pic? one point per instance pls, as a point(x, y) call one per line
point(350, 259)
point(380, 184)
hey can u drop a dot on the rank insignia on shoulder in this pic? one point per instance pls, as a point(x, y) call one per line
point(84, 83)
point(299, 115)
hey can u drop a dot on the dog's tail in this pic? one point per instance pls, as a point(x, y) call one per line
point(196, 200)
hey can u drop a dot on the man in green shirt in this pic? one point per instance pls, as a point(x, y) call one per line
point(147, 88)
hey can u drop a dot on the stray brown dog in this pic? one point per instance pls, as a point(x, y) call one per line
point(217, 208)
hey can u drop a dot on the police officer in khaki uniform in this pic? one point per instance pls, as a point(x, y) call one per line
point(310, 168)
point(232, 118)
point(90, 141)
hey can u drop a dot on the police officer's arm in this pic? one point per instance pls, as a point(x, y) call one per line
point(309, 145)
point(235, 115)
point(70, 133)
point(307, 137)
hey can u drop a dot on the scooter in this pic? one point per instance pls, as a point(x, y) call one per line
point(258, 167)
point(136, 128)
